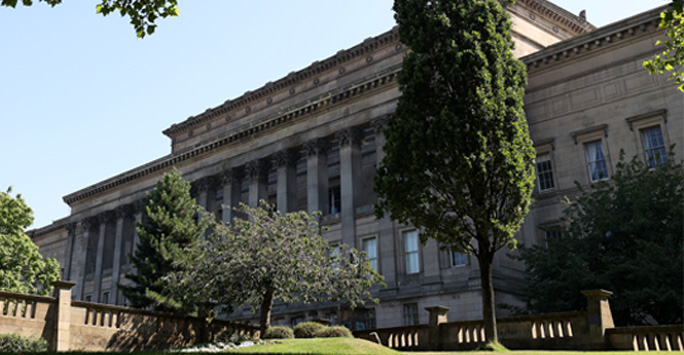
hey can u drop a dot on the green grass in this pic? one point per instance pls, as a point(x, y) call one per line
point(322, 346)
point(351, 346)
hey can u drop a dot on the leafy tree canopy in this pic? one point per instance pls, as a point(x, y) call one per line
point(672, 59)
point(623, 235)
point(459, 157)
point(169, 223)
point(142, 13)
point(270, 256)
point(22, 268)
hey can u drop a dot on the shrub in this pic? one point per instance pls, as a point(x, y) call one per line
point(334, 332)
point(278, 333)
point(15, 343)
point(307, 329)
point(232, 336)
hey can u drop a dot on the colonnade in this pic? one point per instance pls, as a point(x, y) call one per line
point(98, 246)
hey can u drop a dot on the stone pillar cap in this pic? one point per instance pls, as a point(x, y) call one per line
point(597, 293)
point(438, 308)
point(63, 284)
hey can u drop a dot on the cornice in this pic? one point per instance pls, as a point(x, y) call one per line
point(55, 226)
point(303, 110)
point(316, 68)
point(601, 38)
point(557, 13)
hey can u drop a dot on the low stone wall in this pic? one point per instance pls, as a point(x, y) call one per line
point(658, 338)
point(82, 326)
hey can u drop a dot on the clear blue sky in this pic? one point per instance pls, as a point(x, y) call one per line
point(82, 99)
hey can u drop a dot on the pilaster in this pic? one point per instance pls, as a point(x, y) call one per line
point(232, 189)
point(85, 231)
point(386, 232)
point(258, 179)
point(71, 240)
point(121, 213)
point(103, 219)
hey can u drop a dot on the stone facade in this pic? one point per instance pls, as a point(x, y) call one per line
point(311, 141)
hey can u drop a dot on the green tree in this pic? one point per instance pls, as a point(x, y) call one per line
point(270, 256)
point(142, 13)
point(169, 222)
point(623, 235)
point(22, 268)
point(459, 157)
point(672, 59)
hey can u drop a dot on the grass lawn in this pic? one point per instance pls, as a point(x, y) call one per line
point(351, 346)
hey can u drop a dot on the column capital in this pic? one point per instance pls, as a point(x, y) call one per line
point(349, 136)
point(106, 216)
point(285, 157)
point(86, 223)
point(257, 168)
point(123, 211)
point(71, 228)
point(202, 184)
point(316, 146)
point(379, 124)
point(231, 174)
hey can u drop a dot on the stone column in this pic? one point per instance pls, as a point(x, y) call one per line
point(386, 233)
point(232, 189)
point(71, 240)
point(85, 230)
point(137, 213)
point(258, 180)
point(437, 317)
point(121, 213)
point(350, 180)
point(286, 161)
point(62, 336)
point(103, 219)
point(599, 316)
point(316, 175)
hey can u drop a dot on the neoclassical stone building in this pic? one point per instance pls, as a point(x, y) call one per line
point(311, 141)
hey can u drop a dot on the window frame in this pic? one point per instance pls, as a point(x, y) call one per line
point(640, 123)
point(411, 307)
point(364, 240)
point(404, 233)
point(592, 135)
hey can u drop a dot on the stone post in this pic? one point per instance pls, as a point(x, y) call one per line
point(316, 176)
point(599, 316)
point(350, 182)
point(62, 336)
point(437, 317)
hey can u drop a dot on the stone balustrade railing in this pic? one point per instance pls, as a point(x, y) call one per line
point(653, 338)
point(400, 338)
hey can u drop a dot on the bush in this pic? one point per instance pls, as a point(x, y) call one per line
point(307, 329)
point(15, 343)
point(278, 333)
point(232, 336)
point(334, 332)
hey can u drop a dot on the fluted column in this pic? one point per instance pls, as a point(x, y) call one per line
point(71, 240)
point(121, 213)
point(350, 180)
point(386, 234)
point(316, 175)
point(286, 161)
point(232, 189)
point(103, 218)
point(258, 179)
point(85, 231)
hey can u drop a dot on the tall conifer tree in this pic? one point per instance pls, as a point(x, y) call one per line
point(459, 161)
point(169, 224)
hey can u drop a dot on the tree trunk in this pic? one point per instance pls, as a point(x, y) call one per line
point(485, 258)
point(266, 307)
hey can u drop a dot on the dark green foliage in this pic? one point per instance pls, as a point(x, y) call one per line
point(334, 332)
point(143, 13)
point(624, 235)
point(232, 336)
point(169, 225)
point(307, 329)
point(15, 343)
point(278, 332)
point(459, 157)
point(672, 59)
point(22, 268)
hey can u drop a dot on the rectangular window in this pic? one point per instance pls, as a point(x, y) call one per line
point(411, 249)
point(654, 146)
point(596, 161)
point(335, 201)
point(370, 318)
point(296, 320)
point(411, 314)
point(544, 173)
point(370, 246)
point(457, 259)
